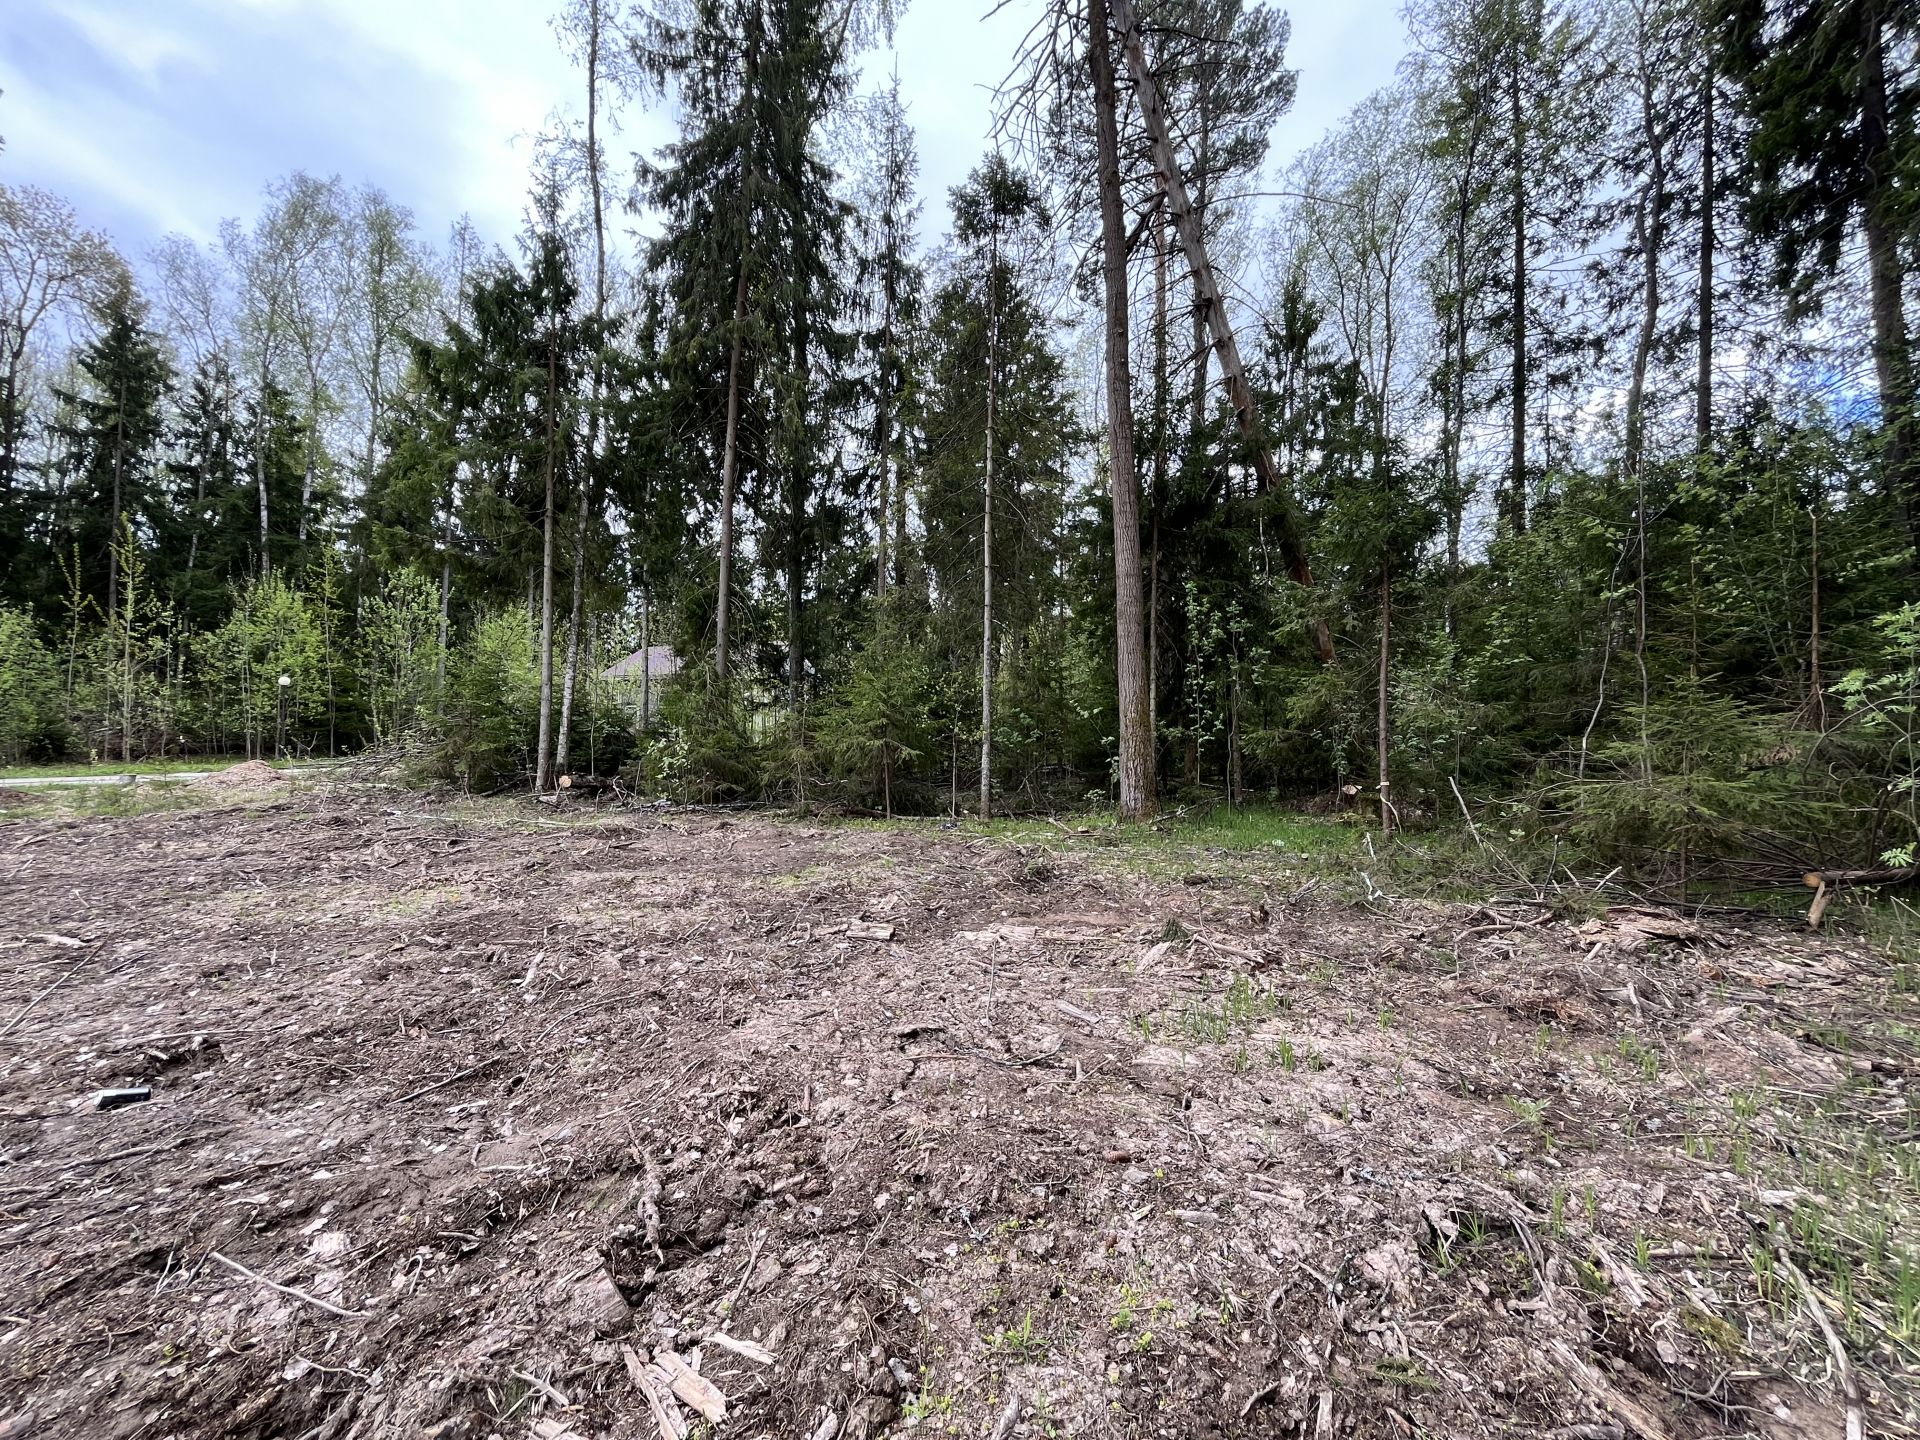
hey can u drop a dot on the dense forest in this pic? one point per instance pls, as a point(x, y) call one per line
point(1538, 447)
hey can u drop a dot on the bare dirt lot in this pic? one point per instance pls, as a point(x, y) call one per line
point(470, 1121)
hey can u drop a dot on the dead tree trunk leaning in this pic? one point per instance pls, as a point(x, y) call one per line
point(1233, 373)
point(1136, 741)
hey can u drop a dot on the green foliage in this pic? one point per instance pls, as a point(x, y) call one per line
point(879, 720)
point(272, 631)
point(1884, 701)
point(1694, 774)
point(712, 750)
point(32, 717)
point(400, 659)
point(492, 705)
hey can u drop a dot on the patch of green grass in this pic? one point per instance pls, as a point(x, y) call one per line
point(928, 1405)
point(1019, 1342)
point(1712, 1329)
point(81, 802)
point(1262, 828)
point(1408, 1374)
point(1244, 1005)
point(1635, 1051)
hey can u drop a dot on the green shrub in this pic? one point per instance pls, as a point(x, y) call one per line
point(711, 749)
point(492, 706)
point(32, 718)
point(399, 655)
point(878, 721)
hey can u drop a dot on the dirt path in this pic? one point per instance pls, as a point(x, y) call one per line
point(458, 1118)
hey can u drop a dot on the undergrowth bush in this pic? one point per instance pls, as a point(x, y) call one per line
point(492, 705)
point(32, 717)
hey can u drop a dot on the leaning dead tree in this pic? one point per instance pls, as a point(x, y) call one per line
point(1173, 188)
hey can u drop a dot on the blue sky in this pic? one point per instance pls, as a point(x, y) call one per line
point(167, 115)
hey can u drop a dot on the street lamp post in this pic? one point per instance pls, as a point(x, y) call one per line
point(280, 736)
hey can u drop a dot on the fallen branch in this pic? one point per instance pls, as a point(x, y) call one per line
point(450, 1080)
point(296, 1293)
point(745, 1349)
point(1238, 952)
point(1842, 1366)
point(33, 1004)
point(650, 1206)
point(543, 1386)
point(1008, 1416)
point(1624, 1408)
point(667, 1418)
point(1825, 883)
point(746, 1274)
point(691, 1388)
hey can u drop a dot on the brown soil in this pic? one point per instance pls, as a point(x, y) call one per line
point(248, 775)
point(1142, 1157)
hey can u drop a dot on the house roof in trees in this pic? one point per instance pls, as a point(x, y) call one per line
point(654, 661)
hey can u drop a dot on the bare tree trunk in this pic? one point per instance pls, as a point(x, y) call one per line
point(1703, 381)
point(561, 748)
point(589, 500)
point(126, 643)
point(1649, 230)
point(1384, 715)
point(312, 458)
point(797, 487)
point(1236, 778)
point(986, 531)
point(1816, 683)
point(1161, 412)
point(260, 468)
point(1187, 225)
point(646, 655)
point(1456, 421)
point(119, 471)
point(883, 422)
point(542, 773)
point(1892, 358)
point(729, 462)
point(1136, 741)
point(446, 592)
point(1513, 510)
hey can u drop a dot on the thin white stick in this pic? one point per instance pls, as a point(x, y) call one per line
point(285, 1289)
point(34, 1003)
point(1849, 1383)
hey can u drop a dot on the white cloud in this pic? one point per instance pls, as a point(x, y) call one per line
point(168, 116)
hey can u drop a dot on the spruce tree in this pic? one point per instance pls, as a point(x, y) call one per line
point(109, 443)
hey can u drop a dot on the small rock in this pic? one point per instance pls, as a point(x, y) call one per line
point(597, 1306)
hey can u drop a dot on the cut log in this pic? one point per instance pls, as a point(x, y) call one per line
point(1896, 876)
point(1824, 883)
point(648, 1380)
point(692, 1388)
point(1233, 373)
point(868, 930)
point(745, 1349)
